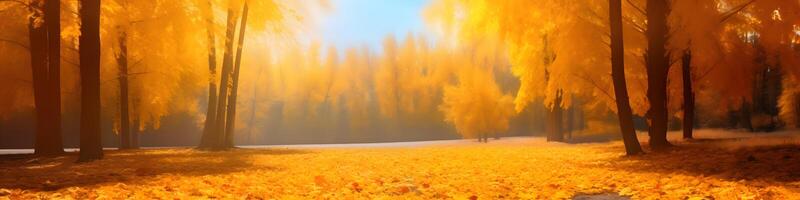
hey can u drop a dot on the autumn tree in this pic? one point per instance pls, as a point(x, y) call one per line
point(269, 14)
point(90, 143)
point(211, 105)
point(476, 106)
point(44, 36)
point(217, 136)
point(624, 113)
point(388, 79)
point(231, 121)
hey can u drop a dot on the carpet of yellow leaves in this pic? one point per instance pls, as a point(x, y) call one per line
point(506, 169)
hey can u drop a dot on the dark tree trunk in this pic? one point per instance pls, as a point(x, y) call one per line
point(745, 116)
point(134, 124)
point(624, 112)
point(230, 128)
point(45, 67)
point(688, 96)
point(37, 36)
point(657, 70)
point(124, 114)
point(90, 143)
point(218, 139)
point(53, 21)
point(797, 111)
point(211, 110)
point(555, 132)
point(135, 135)
point(570, 121)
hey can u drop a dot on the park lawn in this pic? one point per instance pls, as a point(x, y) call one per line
point(517, 168)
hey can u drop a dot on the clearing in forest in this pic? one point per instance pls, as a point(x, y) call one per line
point(509, 168)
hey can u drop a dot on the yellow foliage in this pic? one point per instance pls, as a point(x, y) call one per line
point(476, 105)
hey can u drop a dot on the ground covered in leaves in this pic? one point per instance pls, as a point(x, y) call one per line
point(516, 168)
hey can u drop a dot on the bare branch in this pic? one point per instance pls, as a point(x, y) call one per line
point(69, 62)
point(137, 73)
point(17, 43)
point(635, 25)
point(636, 7)
point(704, 74)
point(593, 83)
point(736, 10)
point(137, 63)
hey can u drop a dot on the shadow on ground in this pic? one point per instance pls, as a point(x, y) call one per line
point(779, 163)
point(52, 173)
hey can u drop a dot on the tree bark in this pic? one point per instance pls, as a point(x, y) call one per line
point(124, 112)
point(53, 21)
point(624, 112)
point(211, 110)
point(555, 132)
point(90, 142)
point(688, 96)
point(135, 134)
point(230, 128)
point(570, 121)
point(218, 139)
point(134, 123)
point(37, 36)
point(657, 70)
point(45, 62)
point(745, 114)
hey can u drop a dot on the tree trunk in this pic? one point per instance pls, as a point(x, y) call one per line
point(555, 132)
point(135, 135)
point(657, 70)
point(37, 36)
point(688, 96)
point(53, 21)
point(124, 114)
point(134, 124)
point(211, 109)
point(797, 111)
point(218, 139)
point(624, 112)
point(90, 143)
point(230, 128)
point(570, 121)
point(45, 67)
point(745, 116)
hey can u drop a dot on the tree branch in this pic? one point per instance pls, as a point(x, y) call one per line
point(20, 44)
point(637, 7)
point(636, 26)
point(732, 12)
point(591, 81)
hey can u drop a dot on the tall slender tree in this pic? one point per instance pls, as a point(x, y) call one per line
point(37, 35)
point(217, 140)
point(53, 21)
point(687, 69)
point(211, 108)
point(90, 142)
point(230, 126)
point(624, 112)
point(688, 95)
point(657, 60)
point(124, 104)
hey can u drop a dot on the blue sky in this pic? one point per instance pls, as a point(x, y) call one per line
point(357, 22)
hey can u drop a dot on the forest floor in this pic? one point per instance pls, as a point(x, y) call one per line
point(745, 166)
